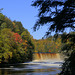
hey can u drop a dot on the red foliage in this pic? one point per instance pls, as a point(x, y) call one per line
point(17, 38)
point(49, 50)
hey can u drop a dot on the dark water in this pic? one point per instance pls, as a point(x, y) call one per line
point(32, 68)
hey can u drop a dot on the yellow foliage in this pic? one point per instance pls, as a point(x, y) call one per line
point(35, 51)
point(13, 23)
point(26, 41)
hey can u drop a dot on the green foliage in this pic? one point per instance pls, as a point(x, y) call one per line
point(28, 44)
point(48, 45)
point(3, 25)
point(16, 44)
point(19, 28)
point(26, 35)
point(6, 47)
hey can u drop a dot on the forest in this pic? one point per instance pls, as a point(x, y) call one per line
point(50, 44)
point(16, 45)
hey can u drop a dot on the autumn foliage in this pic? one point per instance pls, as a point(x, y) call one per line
point(15, 42)
point(17, 38)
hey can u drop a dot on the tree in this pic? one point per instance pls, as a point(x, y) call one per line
point(59, 14)
point(48, 45)
point(69, 50)
point(6, 45)
point(13, 47)
point(19, 27)
point(1, 19)
point(11, 50)
point(17, 38)
point(28, 44)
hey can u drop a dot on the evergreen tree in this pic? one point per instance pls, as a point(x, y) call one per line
point(58, 14)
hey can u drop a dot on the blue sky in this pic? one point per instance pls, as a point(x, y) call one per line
point(21, 10)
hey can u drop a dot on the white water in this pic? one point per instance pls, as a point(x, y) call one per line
point(36, 67)
point(47, 59)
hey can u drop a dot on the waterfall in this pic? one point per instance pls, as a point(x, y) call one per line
point(47, 59)
point(46, 56)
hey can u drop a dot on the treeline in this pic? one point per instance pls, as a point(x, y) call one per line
point(56, 43)
point(16, 44)
point(51, 44)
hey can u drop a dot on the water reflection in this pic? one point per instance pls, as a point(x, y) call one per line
point(30, 69)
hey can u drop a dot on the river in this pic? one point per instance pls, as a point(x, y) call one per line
point(35, 67)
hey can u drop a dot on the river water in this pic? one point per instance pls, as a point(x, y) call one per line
point(33, 68)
